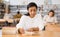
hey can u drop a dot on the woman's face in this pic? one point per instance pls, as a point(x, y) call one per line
point(51, 14)
point(32, 11)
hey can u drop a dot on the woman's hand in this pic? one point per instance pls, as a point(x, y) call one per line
point(33, 29)
point(21, 31)
point(36, 29)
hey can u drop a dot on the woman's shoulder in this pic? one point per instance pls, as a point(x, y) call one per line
point(23, 17)
point(46, 15)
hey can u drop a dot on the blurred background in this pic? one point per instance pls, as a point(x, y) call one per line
point(20, 6)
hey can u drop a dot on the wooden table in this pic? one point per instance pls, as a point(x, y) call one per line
point(9, 20)
point(2, 22)
point(53, 28)
point(11, 32)
point(43, 34)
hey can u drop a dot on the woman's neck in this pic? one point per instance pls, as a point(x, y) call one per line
point(32, 16)
point(51, 16)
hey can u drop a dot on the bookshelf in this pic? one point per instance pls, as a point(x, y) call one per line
point(46, 8)
point(15, 8)
point(2, 10)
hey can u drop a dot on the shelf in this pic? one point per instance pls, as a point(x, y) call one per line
point(23, 9)
point(2, 10)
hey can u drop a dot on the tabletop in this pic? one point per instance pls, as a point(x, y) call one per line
point(51, 31)
point(42, 34)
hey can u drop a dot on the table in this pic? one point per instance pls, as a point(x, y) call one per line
point(53, 28)
point(11, 32)
point(43, 34)
point(9, 20)
point(2, 22)
point(12, 21)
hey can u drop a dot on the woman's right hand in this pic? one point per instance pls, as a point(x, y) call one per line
point(21, 31)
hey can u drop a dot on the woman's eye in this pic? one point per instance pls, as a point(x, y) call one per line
point(30, 10)
point(33, 10)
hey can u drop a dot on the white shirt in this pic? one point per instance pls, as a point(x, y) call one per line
point(26, 22)
point(8, 16)
point(50, 19)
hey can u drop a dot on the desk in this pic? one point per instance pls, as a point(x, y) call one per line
point(43, 34)
point(10, 30)
point(9, 20)
point(53, 28)
point(2, 22)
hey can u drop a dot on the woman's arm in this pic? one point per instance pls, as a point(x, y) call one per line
point(20, 25)
point(55, 21)
point(21, 31)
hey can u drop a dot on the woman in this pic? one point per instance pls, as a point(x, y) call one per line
point(51, 22)
point(30, 22)
point(50, 18)
point(8, 15)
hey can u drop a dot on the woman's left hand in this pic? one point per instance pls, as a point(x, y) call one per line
point(33, 29)
point(36, 29)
